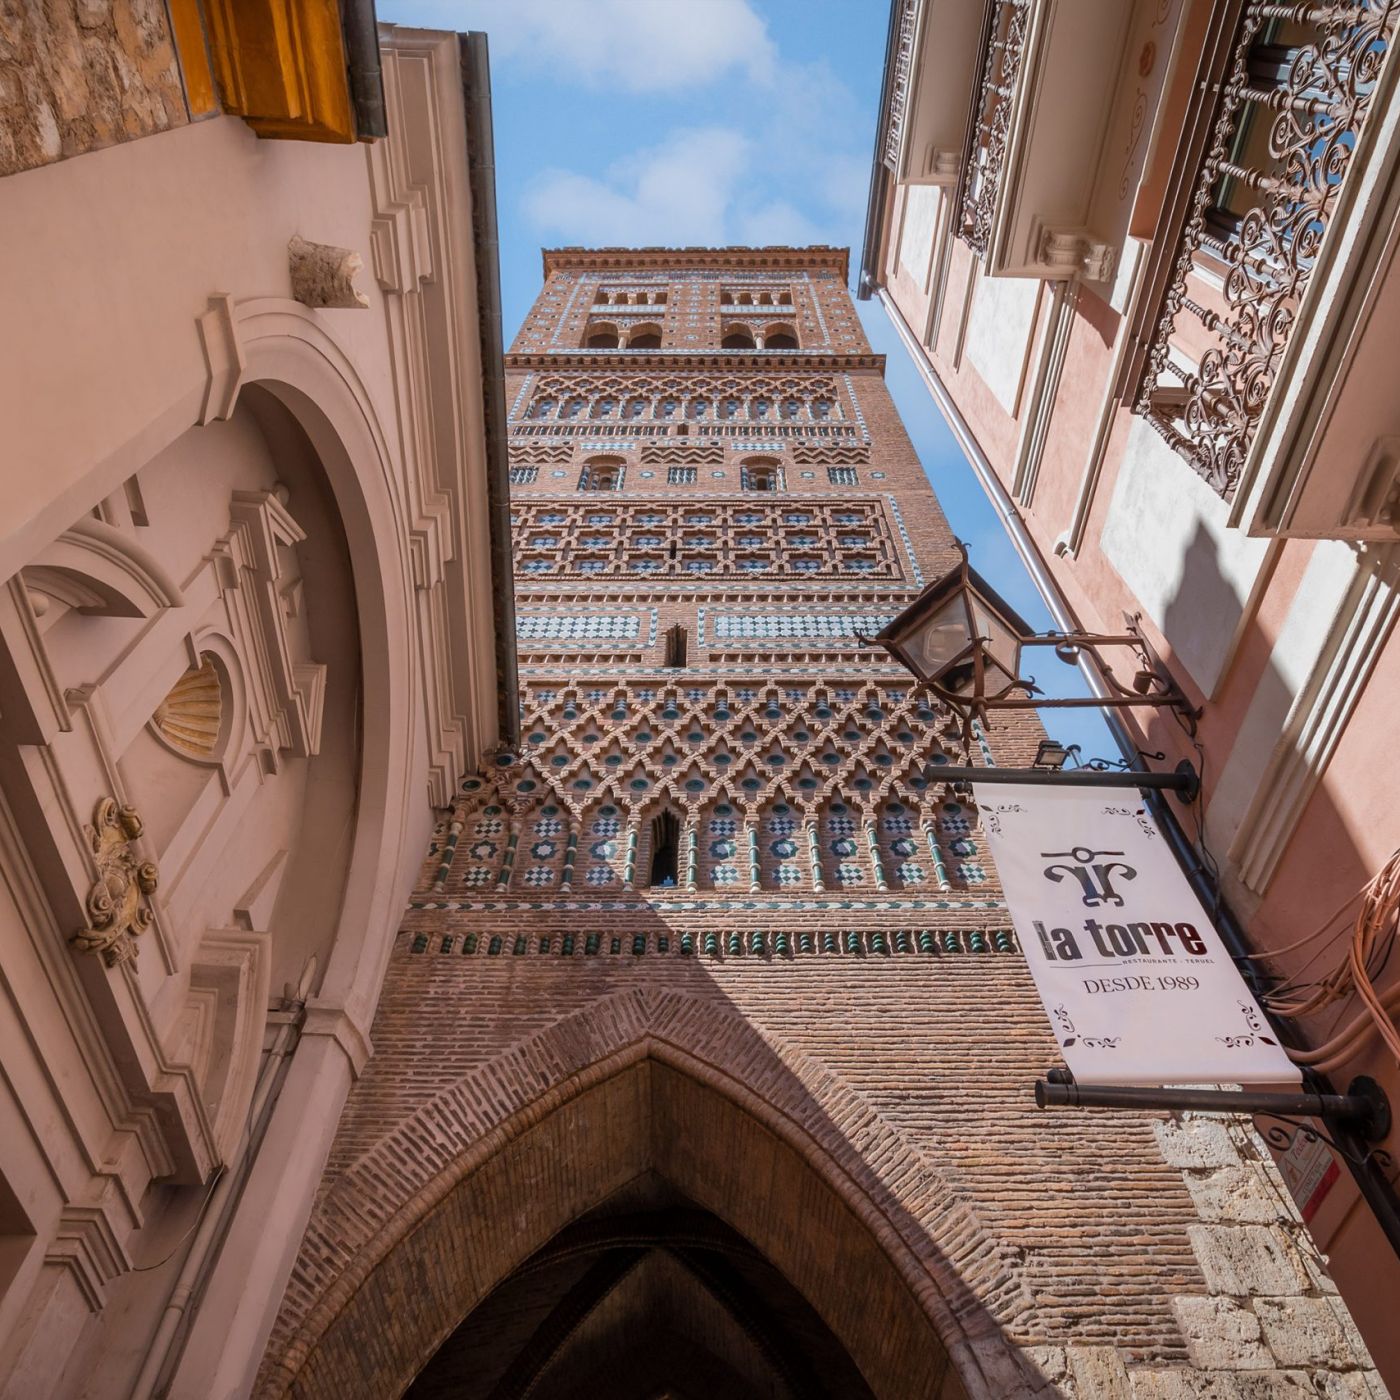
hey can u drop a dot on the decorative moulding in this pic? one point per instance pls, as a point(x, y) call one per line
point(190, 718)
point(1319, 717)
point(99, 569)
point(229, 987)
point(116, 904)
point(224, 361)
point(293, 691)
point(1073, 253)
point(86, 1243)
point(1374, 506)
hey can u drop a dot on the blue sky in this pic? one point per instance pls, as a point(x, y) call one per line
point(710, 122)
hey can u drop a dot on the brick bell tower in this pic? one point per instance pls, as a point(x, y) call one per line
point(703, 1062)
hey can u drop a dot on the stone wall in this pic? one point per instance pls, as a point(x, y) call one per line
point(76, 75)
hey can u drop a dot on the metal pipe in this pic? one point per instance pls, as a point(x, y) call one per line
point(1184, 780)
point(481, 177)
point(1357, 1108)
point(365, 68)
point(875, 200)
point(167, 1345)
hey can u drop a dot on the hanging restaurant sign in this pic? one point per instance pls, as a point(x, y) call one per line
point(1135, 980)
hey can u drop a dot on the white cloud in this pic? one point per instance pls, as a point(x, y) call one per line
point(628, 45)
point(676, 193)
point(777, 221)
point(774, 151)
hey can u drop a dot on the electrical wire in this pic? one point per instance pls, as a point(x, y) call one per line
point(1368, 952)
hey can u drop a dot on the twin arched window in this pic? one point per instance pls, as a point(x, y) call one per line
point(606, 335)
point(761, 474)
point(738, 336)
point(601, 474)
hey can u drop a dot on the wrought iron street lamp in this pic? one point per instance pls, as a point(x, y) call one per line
point(963, 641)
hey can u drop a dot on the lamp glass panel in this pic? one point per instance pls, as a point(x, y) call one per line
point(1003, 645)
point(936, 640)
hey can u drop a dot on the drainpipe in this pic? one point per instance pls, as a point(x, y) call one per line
point(167, 1345)
point(879, 175)
point(364, 68)
point(1370, 1179)
point(481, 178)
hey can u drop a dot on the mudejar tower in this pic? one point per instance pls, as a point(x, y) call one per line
point(703, 1063)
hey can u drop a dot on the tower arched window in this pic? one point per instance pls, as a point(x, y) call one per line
point(821, 409)
point(699, 409)
point(574, 408)
point(737, 338)
point(601, 474)
point(636, 408)
point(667, 408)
point(605, 407)
point(728, 408)
point(644, 337)
point(781, 337)
point(542, 408)
point(665, 849)
point(602, 336)
point(760, 474)
point(760, 409)
point(792, 408)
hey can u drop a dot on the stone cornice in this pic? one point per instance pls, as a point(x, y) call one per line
point(766, 360)
point(779, 258)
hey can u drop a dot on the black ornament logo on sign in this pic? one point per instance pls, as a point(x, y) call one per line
point(1094, 872)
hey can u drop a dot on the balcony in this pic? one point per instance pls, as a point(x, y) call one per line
point(929, 88)
point(1066, 97)
point(1264, 267)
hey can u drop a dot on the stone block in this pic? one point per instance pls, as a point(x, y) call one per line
point(1304, 1331)
point(1182, 1385)
point(1316, 1265)
point(1234, 1194)
point(1220, 1335)
point(1361, 1353)
point(1049, 1361)
point(1196, 1144)
point(1274, 1385)
point(1098, 1373)
point(1247, 1260)
point(1353, 1385)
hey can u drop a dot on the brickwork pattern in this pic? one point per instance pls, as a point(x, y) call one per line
point(810, 1014)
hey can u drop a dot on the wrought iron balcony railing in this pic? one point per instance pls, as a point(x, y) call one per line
point(1291, 106)
point(1001, 69)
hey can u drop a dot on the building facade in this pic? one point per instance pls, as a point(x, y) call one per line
point(1143, 255)
point(704, 1059)
point(248, 641)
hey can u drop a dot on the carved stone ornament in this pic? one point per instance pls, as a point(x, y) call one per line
point(116, 907)
point(324, 276)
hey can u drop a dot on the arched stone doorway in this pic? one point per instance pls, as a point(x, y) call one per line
point(645, 1296)
point(654, 1176)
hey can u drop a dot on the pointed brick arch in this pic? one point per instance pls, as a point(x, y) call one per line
point(415, 1232)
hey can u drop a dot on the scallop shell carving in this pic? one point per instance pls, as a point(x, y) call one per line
point(190, 717)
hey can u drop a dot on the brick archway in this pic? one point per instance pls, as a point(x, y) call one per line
point(420, 1229)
